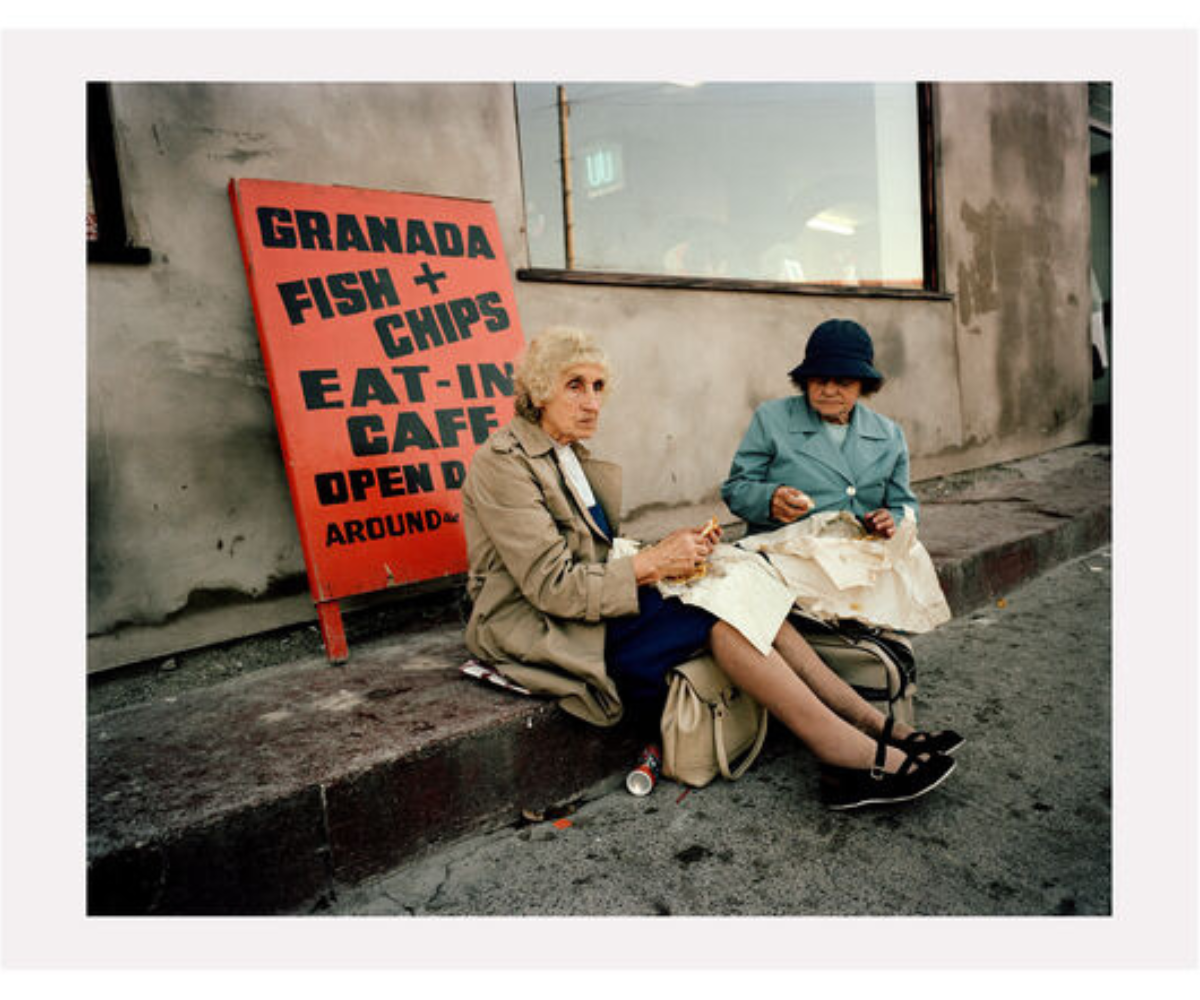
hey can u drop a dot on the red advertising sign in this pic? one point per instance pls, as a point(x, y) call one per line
point(389, 330)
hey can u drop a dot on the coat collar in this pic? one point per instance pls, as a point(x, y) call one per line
point(532, 439)
point(805, 422)
point(604, 477)
point(536, 441)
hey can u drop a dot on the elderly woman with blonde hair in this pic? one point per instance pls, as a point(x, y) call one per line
point(554, 613)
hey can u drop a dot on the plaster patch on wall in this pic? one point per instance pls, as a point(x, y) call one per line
point(240, 155)
point(227, 144)
point(169, 608)
point(1022, 133)
point(977, 290)
point(244, 371)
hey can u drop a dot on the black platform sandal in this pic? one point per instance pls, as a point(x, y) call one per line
point(944, 741)
point(851, 788)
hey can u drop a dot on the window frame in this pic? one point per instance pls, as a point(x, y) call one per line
point(931, 283)
point(113, 245)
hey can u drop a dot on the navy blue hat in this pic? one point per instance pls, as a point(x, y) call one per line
point(838, 348)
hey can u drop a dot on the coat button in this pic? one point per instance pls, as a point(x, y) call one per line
point(850, 491)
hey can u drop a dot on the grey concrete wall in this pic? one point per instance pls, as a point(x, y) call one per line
point(191, 536)
point(1015, 237)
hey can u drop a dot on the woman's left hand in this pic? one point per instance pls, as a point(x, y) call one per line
point(880, 522)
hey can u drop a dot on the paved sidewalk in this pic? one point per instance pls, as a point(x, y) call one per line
point(269, 792)
point(1023, 827)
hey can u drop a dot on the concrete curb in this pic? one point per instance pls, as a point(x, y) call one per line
point(978, 579)
point(288, 851)
point(265, 794)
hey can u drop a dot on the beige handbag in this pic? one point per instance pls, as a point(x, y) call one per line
point(877, 663)
point(707, 722)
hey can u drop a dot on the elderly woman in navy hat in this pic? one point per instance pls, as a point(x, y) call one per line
point(824, 450)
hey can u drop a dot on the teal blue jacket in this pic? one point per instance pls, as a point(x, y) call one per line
point(786, 446)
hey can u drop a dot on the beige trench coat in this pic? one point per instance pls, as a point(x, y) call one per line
point(539, 578)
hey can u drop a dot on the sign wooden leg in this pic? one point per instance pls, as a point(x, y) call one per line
point(334, 636)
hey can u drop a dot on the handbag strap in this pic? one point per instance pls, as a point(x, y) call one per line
point(751, 754)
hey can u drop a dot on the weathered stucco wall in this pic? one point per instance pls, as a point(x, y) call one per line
point(191, 536)
point(1015, 240)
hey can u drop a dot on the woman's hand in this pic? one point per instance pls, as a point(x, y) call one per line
point(679, 554)
point(788, 504)
point(880, 522)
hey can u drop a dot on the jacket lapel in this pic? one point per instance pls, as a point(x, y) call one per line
point(867, 441)
point(814, 443)
point(605, 478)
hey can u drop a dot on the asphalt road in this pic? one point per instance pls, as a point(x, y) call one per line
point(1023, 826)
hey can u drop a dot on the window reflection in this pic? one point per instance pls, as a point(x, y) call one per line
point(811, 183)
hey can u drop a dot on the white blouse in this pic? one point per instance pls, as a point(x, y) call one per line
point(568, 461)
point(836, 431)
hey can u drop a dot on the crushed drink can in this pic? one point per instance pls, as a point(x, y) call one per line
point(642, 779)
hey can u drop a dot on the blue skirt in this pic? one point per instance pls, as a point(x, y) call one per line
point(640, 649)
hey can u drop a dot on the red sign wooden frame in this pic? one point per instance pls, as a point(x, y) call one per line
point(389, 329)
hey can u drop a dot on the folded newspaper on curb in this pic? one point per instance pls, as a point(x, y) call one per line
point(490, 675)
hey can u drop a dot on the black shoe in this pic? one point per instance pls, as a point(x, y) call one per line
point(944, 741)
point(850, 788)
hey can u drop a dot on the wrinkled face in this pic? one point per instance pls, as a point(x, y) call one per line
point(573, 412)
point(833, 398)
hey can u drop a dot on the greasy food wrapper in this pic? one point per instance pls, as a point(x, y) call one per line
point(835, 570)
point(740, 587)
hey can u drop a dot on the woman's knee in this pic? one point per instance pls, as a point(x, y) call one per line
point(726, 635)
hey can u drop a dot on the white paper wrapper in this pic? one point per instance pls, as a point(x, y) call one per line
point(740, 587)
point(834, 570)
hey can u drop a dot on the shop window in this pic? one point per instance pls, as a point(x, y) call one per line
point(787, 184)
point(107, 237)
